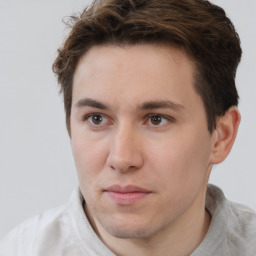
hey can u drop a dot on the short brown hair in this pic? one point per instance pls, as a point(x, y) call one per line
point(199, 27)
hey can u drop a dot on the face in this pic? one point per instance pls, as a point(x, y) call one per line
point(139, 138)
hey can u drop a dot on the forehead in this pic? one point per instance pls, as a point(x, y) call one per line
point(137, 73)
point(138, 54)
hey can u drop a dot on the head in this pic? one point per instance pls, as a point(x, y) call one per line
point(150, 100)
point(201, 29)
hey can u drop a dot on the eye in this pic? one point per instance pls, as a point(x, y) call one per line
point(158, 120)
point(96, 119)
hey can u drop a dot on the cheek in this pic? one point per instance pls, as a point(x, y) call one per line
point(89, 161)
point(89, 158)
point(180, 161)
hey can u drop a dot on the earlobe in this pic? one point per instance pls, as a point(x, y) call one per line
point(225, 135)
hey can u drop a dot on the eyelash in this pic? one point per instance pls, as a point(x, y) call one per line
point(87, 117)
point(147, 118)
point(168, 119)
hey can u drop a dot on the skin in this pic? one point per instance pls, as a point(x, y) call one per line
point(137, 120)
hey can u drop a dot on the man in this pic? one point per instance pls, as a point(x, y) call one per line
point(151, 106)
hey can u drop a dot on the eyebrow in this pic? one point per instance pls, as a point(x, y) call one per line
point(87, 102)
point(165, 104)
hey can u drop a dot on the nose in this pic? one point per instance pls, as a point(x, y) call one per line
point(125, 150)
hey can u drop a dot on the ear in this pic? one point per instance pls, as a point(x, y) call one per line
point(224, 135)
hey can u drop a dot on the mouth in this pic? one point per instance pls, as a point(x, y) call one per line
point(126, 195)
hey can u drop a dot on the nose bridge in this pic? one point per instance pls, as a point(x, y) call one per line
point(125, 150)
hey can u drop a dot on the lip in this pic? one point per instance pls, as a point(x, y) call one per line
point(126, 195)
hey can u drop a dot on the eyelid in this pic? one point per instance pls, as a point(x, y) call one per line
point(168, 118)
point(86, 118)
point(162, 115)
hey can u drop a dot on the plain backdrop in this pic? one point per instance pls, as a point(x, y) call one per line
point(36, 166)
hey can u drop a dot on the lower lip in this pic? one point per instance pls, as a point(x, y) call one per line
point(127, 198)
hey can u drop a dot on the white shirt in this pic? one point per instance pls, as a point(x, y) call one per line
point(66, 231)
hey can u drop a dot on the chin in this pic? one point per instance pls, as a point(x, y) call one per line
point(130, 229)
point(130, 233)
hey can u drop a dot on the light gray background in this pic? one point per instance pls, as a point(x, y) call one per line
point(36, 166)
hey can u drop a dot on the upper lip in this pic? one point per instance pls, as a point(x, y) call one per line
point(126, 189)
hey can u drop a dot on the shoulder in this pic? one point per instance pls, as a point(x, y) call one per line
point(242, 224)
point(61, 231)
point(234, 224)
point(35, 231)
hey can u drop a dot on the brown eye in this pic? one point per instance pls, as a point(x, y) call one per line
point(156, 119)
point(96, 119)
